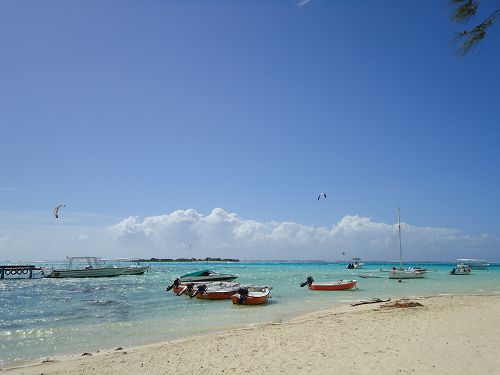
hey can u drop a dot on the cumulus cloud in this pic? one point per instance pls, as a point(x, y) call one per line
point(189, 233)
point(225, 234)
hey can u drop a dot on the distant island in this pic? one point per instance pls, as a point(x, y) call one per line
point(208, 259)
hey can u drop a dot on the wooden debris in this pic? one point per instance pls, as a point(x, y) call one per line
point(374, 300)
point(402, 304)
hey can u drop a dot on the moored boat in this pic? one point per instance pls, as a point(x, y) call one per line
point(406, 274)
point(356, 263)
point(214, 292)
point(334, 285)
point(246, 297)
point(475, 264)
point(206, 275)
point(190, 288)
point(401, 273)
point(461, 269)
point(94, 267)
point(218, 292)
point(136, 269)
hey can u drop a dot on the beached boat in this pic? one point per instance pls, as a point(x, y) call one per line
point(244, 296)
point(92, 267)
point(475, 264)
point(461, 269)
point(206, 275)
point(401, 273)
point(333, 285)
point(356, 263)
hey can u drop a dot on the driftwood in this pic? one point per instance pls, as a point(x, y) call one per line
point(402, 304)
point(375, 300)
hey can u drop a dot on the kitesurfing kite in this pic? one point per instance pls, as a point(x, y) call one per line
point(56, 210)
point(321, 195)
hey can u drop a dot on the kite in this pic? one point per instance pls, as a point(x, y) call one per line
point(56, 210)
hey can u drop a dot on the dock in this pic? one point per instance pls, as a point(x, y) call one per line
point(18, 270)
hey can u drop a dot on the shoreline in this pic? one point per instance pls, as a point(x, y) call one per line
point(441, 318)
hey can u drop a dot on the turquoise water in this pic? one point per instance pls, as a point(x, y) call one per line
point(47, 317)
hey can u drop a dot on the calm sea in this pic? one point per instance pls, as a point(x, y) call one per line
point(47, 317)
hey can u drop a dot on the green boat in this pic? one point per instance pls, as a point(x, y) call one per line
point(206, 275)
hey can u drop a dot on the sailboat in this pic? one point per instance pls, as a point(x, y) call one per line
point(401, 273)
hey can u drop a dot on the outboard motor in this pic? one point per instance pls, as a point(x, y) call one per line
point(176, 283)
point(188, 288)
point(243, 292)
point(308, 281)
point(201, 289)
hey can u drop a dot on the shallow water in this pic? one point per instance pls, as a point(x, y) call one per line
point(47, 317)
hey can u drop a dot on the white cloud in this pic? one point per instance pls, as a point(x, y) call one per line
point(188, 233)
point(226, 234)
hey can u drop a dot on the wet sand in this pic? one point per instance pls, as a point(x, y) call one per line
point(446, 335)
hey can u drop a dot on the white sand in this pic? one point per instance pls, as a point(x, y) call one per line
point(447, 335)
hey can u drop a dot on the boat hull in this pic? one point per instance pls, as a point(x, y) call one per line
point(398, 274)
point(253, 298)
point(95, 272)
point(339, 285)
point(208, 278)
point(217, 294)
point(140, 270)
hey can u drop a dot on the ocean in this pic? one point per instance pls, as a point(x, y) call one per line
point(42, 318)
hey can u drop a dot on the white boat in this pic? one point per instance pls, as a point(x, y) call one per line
point(371, 276)
point(461, 269)
point(91, 267)
point(356, 263)
point(401, 273)
point(136, 269)
point(475, 264)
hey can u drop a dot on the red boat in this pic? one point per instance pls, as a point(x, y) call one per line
point(217, 294)
point(334, 285)
point(246, 297)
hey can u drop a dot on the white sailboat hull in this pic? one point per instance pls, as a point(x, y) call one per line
point(406, 274)
point(95, 272)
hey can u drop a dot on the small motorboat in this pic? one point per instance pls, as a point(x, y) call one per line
point(356, 263)
point(334, 285)
point(190, 288)
point(461, 269)
point(206, 276)
point(245, 296)
point(215, 292)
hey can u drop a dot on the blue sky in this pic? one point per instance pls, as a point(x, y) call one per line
point(125, 108)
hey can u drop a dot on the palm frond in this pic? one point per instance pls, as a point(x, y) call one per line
point(463, 10)
point(469, 39)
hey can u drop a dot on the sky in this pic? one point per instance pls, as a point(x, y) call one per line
point(208, 128)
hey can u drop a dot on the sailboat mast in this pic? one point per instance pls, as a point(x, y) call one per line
point(400, 247)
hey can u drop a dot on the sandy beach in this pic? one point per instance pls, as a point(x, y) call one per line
point(445, 335)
